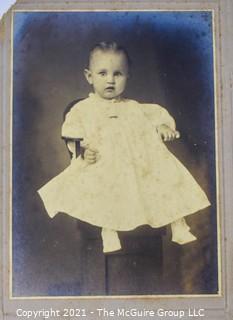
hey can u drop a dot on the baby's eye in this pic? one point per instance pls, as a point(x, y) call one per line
point(102, 73)
point(117, 74)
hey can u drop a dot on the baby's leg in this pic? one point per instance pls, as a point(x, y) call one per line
point(111, 241)
point(181, 233)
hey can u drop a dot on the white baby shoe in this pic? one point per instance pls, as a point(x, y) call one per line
point(181, 232)
point(111, 241)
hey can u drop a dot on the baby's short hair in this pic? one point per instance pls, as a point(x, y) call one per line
point(109, 46)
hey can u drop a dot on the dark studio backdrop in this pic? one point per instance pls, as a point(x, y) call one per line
point(172, 65)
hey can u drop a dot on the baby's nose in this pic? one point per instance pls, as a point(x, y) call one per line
point(110, 78)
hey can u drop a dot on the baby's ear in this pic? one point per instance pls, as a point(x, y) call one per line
point(88, 76)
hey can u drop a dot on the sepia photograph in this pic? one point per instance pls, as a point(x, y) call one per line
point(116, 160)
point(114, 157)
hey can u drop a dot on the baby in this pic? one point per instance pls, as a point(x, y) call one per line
point(126, 176)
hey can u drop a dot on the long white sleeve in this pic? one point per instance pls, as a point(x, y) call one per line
point(72, 126)
point(158, 115)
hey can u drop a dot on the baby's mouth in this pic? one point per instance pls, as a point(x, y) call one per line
point(110, 88)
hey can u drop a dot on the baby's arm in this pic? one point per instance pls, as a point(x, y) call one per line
point(166, 133)
point(162, 120)
point(73, 131)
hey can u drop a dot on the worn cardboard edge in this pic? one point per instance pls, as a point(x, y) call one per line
point(53, 5)
point(1, 170)
point(2, 33)
point(226, 104)
point(226, 35)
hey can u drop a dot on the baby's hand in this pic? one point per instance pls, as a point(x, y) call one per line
point(90, 155)
point(166, 133)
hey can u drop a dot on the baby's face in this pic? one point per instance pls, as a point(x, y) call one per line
point(108, 73)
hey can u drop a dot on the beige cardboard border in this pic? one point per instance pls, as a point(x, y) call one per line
point(217, 306)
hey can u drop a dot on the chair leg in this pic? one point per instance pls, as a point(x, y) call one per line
point(106, 274)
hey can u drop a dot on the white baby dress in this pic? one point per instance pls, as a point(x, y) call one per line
point(136, 180)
